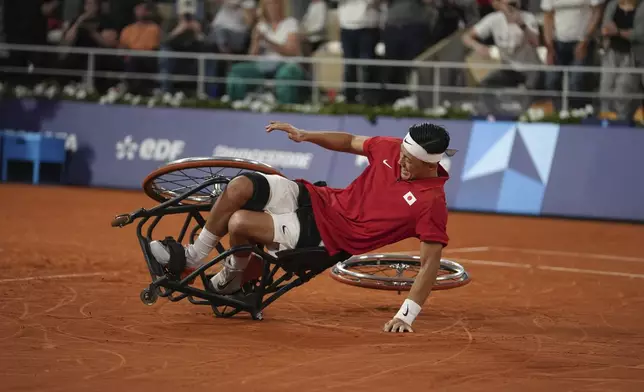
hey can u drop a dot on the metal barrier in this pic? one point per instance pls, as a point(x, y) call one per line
point(201, 79)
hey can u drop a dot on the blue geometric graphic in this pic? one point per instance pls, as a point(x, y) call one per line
point(485, 137)
point(541, 140)
point(521, 161)
point(521, 155)
point(480, 194)
point(520, 194)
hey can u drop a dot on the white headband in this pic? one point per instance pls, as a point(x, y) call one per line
point(418, 152)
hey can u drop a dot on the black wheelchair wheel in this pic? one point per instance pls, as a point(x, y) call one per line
point(183, 175)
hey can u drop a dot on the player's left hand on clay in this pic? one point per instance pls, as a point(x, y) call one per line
point(397, 325)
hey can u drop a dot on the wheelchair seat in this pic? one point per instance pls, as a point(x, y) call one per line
point(308, 259)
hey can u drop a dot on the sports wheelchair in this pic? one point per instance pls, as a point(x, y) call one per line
point(190, 186)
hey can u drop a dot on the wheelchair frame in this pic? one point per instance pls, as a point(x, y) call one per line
point(256, 295)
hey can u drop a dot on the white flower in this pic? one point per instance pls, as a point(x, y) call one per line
point(256, 106)
point(590, 110)
point(447, 104)
point(467, 107)
point(136, 100)
point(39, 89)
point(238, 105)
point(152, 102)
point(179, 95)
point(175, 102)
point(112, 94)
point(406, 103)
point(69, 90)
point(20, 91)
point(225, 99)
point(564, 114)
point(81, 94)
point(103, 100)
point(578, 113)
point(523, 118)
point(167, 98)
point(536, 114)
point(439, 111)
point(128, 97)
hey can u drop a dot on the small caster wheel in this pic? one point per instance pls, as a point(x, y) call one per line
point(148, 297)
point(258, 316)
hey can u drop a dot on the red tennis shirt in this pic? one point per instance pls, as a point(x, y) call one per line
point(377, 208)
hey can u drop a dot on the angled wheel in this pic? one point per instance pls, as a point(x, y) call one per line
point(148, 297)
point(183, 175)
point(395, 272)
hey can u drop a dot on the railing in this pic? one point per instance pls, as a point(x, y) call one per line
point(202, 79)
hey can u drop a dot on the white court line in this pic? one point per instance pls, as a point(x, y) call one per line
point(550, 268)
point(568, 254)
point(49, 277)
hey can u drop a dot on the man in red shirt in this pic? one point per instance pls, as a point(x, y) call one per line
point(398, 196)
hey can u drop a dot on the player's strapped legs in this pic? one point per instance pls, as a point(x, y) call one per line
point(247, 191)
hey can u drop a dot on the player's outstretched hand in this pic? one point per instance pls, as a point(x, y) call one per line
point(397, 325)
point(294, 134)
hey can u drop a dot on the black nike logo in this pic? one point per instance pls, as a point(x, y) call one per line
point(284, 229)
point(223, 286)
point(405, 140)
point(406, 311)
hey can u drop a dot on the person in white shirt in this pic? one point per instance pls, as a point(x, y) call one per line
point(314, 24)
point(359, 33)
point(230, 28)
point(516, 35)
point(569, 27)
point(275, 38)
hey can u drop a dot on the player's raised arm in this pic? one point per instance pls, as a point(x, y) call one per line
point(331, 140)
point(430, 258)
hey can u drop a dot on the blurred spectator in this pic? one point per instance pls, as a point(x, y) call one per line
point(275, 38)
point(617, 29)
point(143, 34)
point(122, 12)
point(406, 35)
point(25, 23)
point(230, 34)
point(314, 25)
point(231, 26)
point(516, 35)
point(359, 33)
point(452, 16)
point(485, 7)
point(637, 42)
point(92, 29)
point(4, 54)
point(569, 28)
point(186, 34)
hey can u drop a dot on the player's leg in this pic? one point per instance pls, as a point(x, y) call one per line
point(278, 225)
point(247, 191)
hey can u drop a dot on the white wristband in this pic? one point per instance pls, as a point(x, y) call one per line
point(408, 311)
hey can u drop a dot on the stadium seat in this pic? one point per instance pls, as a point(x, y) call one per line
point(31, 147)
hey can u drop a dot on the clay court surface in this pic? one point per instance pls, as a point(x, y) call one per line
point(554, 305)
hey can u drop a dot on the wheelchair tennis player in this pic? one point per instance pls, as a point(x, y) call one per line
point(398, 196)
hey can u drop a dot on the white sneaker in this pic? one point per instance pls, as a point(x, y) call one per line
point(162, 255)
point(228, 280)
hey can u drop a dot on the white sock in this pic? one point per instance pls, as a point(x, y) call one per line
point(202, 247)
point(239, 262)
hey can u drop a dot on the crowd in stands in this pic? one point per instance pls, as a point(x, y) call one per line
point(514, 32)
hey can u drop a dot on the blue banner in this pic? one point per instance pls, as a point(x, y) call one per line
point(505, 167)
